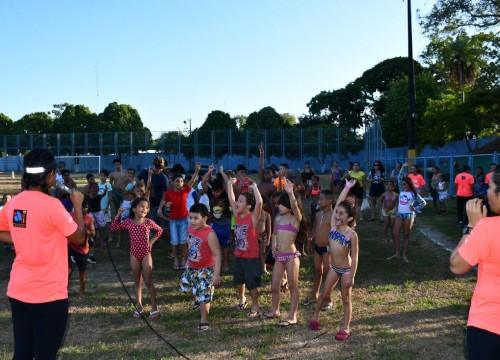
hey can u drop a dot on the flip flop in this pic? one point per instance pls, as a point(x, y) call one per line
point(203, 326)
point(241, 306)
point(137, 315)
point(252, 314)
point(308, 302)
point(342, 335)
point(286, 323)
point(195, 306)
point(264, 316)
point(327, 307)
point(314, 325)
point(154, 314)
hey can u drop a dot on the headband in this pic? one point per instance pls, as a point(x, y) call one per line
point(40, 169)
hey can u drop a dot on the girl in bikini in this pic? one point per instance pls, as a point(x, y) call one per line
point(141, 261)
point(344, 249)
point(388, 203)
point(289, 224)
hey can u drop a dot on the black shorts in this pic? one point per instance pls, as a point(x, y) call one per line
point(80, 259)
point(377, 189)
point(248, 272)
point(358, 191)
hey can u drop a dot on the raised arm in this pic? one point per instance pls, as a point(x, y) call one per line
point(293, 201)
point(230, 193)
point(206, 178)
point(258, 204)
point(348, 185)
point(261, 162)
point(401, 175)
point(195, 175)
point(223, 174)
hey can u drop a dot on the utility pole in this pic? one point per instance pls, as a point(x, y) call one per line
point(412, 128)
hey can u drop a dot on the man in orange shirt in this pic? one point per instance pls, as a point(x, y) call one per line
point(464, 189)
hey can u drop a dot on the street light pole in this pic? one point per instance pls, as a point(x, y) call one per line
point(192, 140)
point(412, 129)
point(189, 125)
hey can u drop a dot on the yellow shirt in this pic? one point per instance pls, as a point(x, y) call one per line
point(358, 176)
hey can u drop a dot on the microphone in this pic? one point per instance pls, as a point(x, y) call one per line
point(60, 186)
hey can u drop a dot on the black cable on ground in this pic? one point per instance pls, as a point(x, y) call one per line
point(133, 303)
point(300, 348)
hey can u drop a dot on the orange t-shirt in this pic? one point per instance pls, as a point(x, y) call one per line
point(39, 225)
point(465, 184)
point(417, 180)
point(277, 183)
point(482, 247)
point(487, 178)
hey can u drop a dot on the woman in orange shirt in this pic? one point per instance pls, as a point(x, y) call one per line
point(480, 246)
point(40, 228)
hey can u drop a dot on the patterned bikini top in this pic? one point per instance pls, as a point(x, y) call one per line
point(340, 238)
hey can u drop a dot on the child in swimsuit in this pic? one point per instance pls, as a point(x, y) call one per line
point(289, 224)
point(264, 237)
point(388, 203)
point(344, 249)
point(319, 241)
point(442, 190)
point(247, 265)
point(141, 261)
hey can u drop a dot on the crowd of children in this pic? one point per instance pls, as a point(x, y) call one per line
point(264, 221)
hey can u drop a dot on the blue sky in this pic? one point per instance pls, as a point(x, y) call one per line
point(174, 61)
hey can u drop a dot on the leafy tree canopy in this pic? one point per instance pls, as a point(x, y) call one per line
point(74, 119)
point(219, 120)
point(6, 125)
point(265, 118)
point(34, 123)
point(448, 16)
point(119, 117)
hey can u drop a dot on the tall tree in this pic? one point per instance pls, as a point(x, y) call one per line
point(34, 123)
point(448, 16)
point(219, 120)
point(394, 121)
point(240, 121)
point(456, 60)
point(118, 117)
point(6, 125)
point(74, 119)
point(289, 119)
point(265, 118)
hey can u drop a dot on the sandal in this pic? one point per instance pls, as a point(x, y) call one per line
point(308, 302)
point(176, 267)
point(314, 325)
point(342, 335)
point(154, 314)
point(137, 315)
point(203, 326)
point(253, 314)
point(327, 307)
point(241, 306)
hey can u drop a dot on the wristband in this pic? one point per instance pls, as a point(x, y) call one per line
point(348, 186)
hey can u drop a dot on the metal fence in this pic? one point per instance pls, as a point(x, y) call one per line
point(287, 143)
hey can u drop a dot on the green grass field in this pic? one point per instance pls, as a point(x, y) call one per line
point(400, 311)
